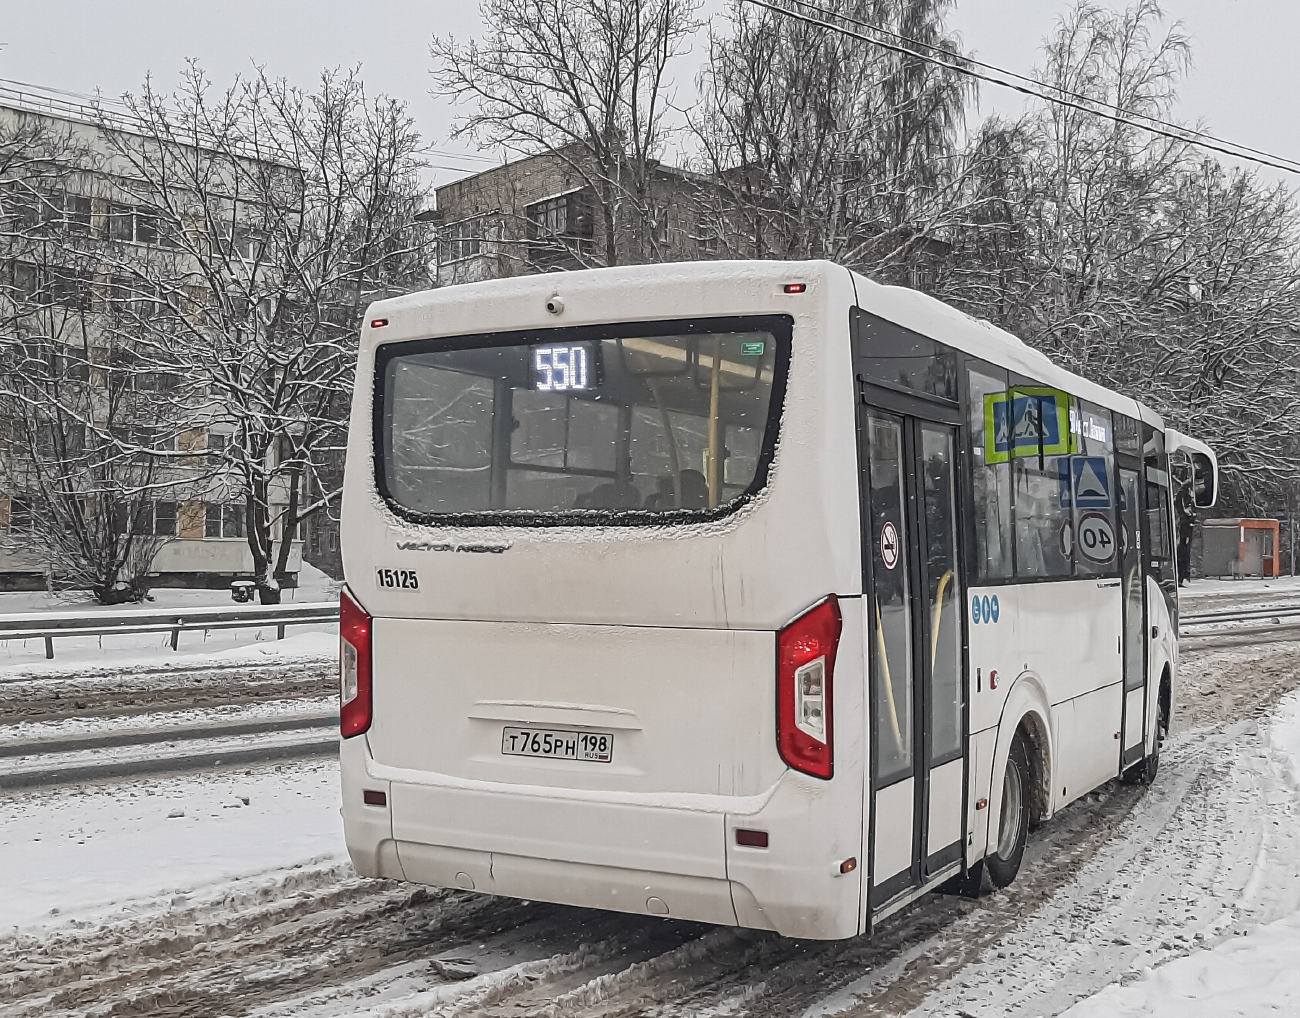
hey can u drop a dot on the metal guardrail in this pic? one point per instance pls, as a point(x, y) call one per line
point(49, 625)
point(1233, 623)
point(1281, 611)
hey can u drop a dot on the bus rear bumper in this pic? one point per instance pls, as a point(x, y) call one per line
point(595, 853)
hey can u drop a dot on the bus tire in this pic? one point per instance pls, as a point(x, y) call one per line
point(1144, 771)
point(1003, 863)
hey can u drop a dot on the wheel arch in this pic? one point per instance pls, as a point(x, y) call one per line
point(1026, 712)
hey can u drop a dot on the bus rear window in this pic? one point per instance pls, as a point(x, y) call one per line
point(639, 423)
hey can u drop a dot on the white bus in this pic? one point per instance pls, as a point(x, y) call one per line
point(751, 593)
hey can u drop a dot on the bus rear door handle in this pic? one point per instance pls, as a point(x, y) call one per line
point(1155, 631)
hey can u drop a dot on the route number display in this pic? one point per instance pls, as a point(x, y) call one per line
point(562, 368)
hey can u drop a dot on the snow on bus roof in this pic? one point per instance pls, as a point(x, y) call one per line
point(908, 308)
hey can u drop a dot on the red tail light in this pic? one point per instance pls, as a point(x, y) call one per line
point(805, 665)
point(354, 667)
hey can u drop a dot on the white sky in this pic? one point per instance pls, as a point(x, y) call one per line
point(1243, 84)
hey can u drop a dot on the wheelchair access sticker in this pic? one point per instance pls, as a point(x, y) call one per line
point(985, 609)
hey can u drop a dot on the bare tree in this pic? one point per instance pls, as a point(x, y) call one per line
point(285, 214)
point(586, 82)
point(823, 144)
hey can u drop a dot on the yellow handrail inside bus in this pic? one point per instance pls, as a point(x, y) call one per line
point(938, 617)
point(889, 682)
point(715, 446)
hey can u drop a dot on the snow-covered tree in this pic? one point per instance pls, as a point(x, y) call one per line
point(824, 144)
point(1135, 259)
point(589, 83)
point(284, 213)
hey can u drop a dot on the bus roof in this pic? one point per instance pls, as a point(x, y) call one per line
point(922, 313)
point(908, 308)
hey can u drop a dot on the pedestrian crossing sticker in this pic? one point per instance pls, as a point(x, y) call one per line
point(1027, 421)
point(1085, 482)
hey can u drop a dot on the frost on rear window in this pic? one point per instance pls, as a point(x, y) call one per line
point(621, 423)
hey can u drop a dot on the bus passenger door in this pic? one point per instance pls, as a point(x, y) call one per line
point(1135, 645)
point(915, 590)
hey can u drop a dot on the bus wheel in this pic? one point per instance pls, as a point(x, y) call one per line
point(1144, 771)
point(1003, 863)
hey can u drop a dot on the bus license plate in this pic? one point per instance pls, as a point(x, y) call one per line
point(596, 747)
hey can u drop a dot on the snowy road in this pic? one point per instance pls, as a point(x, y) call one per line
point(260, 914)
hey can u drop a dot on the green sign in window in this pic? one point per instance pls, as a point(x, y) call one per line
point(752, 349)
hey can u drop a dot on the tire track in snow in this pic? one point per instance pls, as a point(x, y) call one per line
point(129, 695)
point(324, 943)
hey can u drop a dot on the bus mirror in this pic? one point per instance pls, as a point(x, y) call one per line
point(1204, 482)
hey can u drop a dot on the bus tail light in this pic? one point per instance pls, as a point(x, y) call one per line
point(805, 672)
point(354, 667)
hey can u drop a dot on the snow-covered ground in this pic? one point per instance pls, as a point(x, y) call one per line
point(1203, 592)
point(1253, 975)
point(1131, 902)
point(126, 848)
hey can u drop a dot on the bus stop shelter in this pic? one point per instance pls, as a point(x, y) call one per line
point(1240, 548)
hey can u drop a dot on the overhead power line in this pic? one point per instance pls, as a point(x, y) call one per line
point(1035, 83)
point(1046, 92)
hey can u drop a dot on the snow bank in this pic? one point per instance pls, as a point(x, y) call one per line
point(1248, 976)
point(1254, 975)
point(313, 585)
point(1198, 594)
point(74, 852)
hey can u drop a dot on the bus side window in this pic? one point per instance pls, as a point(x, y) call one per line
point(1162, 548)
point(1038, 443)
point(1043, 536)
point(990, 481)
point(1159, 512)
point(1089, 488)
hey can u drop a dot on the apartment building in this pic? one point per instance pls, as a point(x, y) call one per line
point(73, 247)
point(541, 213)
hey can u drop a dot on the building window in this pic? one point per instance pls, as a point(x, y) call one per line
point(461, 240)
point(659, 224)
point(332, 539)
point(164, 519)
point(72, 288)
point(26, 282)
point(76, 216)
point(223, 519)
point(157, 381)
point(137, 436)
point(20, 207)
point(20, 516)
point(217, 441)
point(566, 215)
point(146, 227)
point(560, 226)
point(131, 299)
point(155, 519)
point(141, 226)
point(121, 222)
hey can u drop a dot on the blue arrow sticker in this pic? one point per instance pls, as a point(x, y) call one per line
point(986, 608)
point(975, 609)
